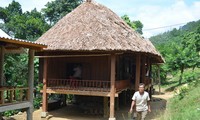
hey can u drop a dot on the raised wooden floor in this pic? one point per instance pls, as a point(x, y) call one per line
point(85, 87)
point(81, 91)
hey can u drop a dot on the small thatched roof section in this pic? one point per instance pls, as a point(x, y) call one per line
point(11, 43)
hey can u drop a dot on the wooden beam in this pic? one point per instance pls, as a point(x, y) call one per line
point(80, 92)
point(65, 56)
point(30, 83)
point(46, 54)
point(137, 77)
point(44, 95)
point(15, 106)
point(112, 89)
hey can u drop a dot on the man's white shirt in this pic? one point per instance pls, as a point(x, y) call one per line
point(141, 101)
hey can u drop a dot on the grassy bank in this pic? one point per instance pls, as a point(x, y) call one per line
point(185, 105)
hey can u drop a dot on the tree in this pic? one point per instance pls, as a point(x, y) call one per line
point(180, 48)
point(177, 60)
point(185, 54)
point(136, 25)
point(192, 43)
point(55, 10)
point(14, 8)
point(28, 25)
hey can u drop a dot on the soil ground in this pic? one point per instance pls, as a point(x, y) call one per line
point(158, 106)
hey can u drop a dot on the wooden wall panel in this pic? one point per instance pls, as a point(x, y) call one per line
point(94, 68)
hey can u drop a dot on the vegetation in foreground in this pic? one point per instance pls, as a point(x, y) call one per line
point(185, 105)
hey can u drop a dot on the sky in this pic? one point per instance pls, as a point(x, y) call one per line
point(157, 16)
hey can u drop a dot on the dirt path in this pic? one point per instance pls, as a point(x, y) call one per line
point(158, 106)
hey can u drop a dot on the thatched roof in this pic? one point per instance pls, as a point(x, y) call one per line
point(94, 27)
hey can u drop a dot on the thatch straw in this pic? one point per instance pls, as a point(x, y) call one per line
point(94, 27)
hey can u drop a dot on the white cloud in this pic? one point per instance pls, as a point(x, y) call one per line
point(157, 16)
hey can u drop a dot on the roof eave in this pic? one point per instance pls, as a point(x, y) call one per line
point(23, 43)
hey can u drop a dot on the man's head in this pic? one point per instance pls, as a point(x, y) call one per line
point(141, 87)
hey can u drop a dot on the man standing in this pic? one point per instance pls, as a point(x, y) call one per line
point(141, 100)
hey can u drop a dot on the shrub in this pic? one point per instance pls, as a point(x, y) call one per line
point(183, 92)
point(190, 76)
point(10, 113)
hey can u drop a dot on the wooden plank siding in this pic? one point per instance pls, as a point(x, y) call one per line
point(93, 68)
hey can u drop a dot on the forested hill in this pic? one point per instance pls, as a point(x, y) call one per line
point(175, 34)
point(180, 49)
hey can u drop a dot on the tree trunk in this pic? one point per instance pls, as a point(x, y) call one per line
point(193, 67)
point(181, 76)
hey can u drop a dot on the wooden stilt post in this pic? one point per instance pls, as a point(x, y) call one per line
point(30, 83)
point(2, 52)
point(112, 89)
point(137, 77)
point(149, 68)
point(149, 80)
point(159, 79)
point(143, 69)
point(105, 99)
point(117, 103)
point(44, 96)
point(123, 97)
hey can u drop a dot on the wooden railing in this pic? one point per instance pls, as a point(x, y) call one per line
point(11, 95)
point(85, 85)
point(74, 84)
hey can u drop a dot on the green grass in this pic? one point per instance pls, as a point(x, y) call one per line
point(186, 104)
point(186, 108)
